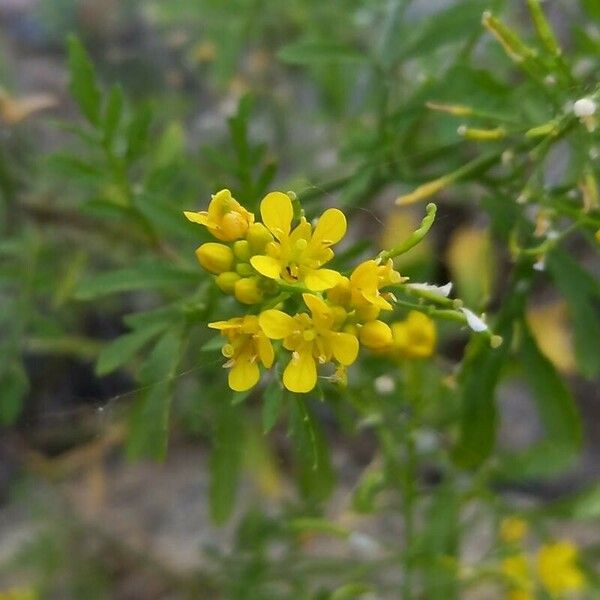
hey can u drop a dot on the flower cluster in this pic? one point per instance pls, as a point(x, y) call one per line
point(555, 568)
point(272, 264)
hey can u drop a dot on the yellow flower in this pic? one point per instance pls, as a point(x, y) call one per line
point(513, 529)
point(215, 258)
point(311, 339)
point(226, 218)
point(516, 570)
point(247, 290)
point(247, 344)
point(415, 337)
point(298, 254)
point(18, 593)
point(362, 290)
point(519, 595)
point(557, 568)
point(375, 335)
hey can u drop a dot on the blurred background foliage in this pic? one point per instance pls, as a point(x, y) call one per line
point(117, 116)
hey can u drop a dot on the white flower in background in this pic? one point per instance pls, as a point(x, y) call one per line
point(476, 323)
point(584, 107)
point(540, 264)
point(363, 544)
point(440, 290)
point(384, 384)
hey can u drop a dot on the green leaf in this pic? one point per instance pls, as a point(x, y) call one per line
point(558, 414)
point(14, 386)
point(480, 376)
point(149, 425)
point(170, 147)
point(138, 131)
point(145, 276)
point(580, 291)
point(450, 25)
point(225, 460)
point(113, 113)
point(437, 546)
point(371, 482)
point(272, 404)
point(481, 372)
point(554, 402)
point(581, 506)
point(164, 215)
point(315, 475)
point(310, 53)
point(83, 85)
point(124, 348)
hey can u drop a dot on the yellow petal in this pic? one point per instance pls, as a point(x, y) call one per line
point(365, 275)
point(319, 280)
point(276, 324)
point(321, 313)
point(300, 375)
point(265, 350)
point(243, 375)
point(267, 266)
point(277, 213)
point(345, 347)
point(331, 227)
point(196, 217)
point(221, 325)
point(377, 300)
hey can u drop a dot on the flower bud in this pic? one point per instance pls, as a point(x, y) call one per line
point(241, 249)
point(368, 312)
point(247, 290)
point(258, 237)
point(215, 258)
point(244, 269)
point(226, 281)
point(234, 225)
point(375, 335)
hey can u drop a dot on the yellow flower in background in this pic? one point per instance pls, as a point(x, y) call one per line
point(226, 218)
point(298, 254)
point(19, 593)
point(558, 569)
point(311, 339)
point(415, 337)
point(519, 595)
point(247, 345)
point(513, 529)
point(516, 570)
point(549, 324)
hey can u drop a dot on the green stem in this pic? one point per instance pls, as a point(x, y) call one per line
point(414, 238)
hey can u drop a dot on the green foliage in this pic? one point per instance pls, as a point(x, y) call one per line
point(348, 104)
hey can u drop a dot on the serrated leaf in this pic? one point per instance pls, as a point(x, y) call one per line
point(83, 85)
point(225, 460)
point(149, 424)
point(138, 131)
point(143, 277)
point(123, 349)
point(113, 113)
point(310, 53)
